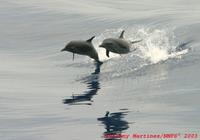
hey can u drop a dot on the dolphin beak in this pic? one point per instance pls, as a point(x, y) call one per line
point(101, 45)
point(62, 50)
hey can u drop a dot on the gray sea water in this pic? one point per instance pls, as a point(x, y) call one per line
point(45, 95)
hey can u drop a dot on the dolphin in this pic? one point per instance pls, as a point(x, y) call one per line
point(83, 48)
point(117, 45)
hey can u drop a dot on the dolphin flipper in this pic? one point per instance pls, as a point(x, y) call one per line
point(73, 56)
point(132, 42)
point(107, 53)
point(122, 34)
point(90, 40)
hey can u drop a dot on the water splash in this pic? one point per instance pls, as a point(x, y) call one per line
point(157, 45)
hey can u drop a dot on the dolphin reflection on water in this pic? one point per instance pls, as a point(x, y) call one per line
point(114, 124)
point(93, 85)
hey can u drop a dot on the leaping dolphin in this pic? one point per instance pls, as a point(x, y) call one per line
point(83, 48)
point(117, 45)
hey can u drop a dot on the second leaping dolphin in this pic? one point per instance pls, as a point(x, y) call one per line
point(117, 45)
point(83, 48)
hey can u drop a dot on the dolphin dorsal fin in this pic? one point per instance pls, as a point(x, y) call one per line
point(90, 40)
point(122, 34)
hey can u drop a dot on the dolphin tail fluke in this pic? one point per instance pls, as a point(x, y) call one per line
point(183, 46)
point(132, 42)
point(107, 53)
point(122, 34)
point(90, 40)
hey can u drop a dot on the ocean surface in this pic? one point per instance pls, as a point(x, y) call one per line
point(45, 95)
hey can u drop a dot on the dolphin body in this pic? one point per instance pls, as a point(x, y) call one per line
point(83, 48)
point(117, 45)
